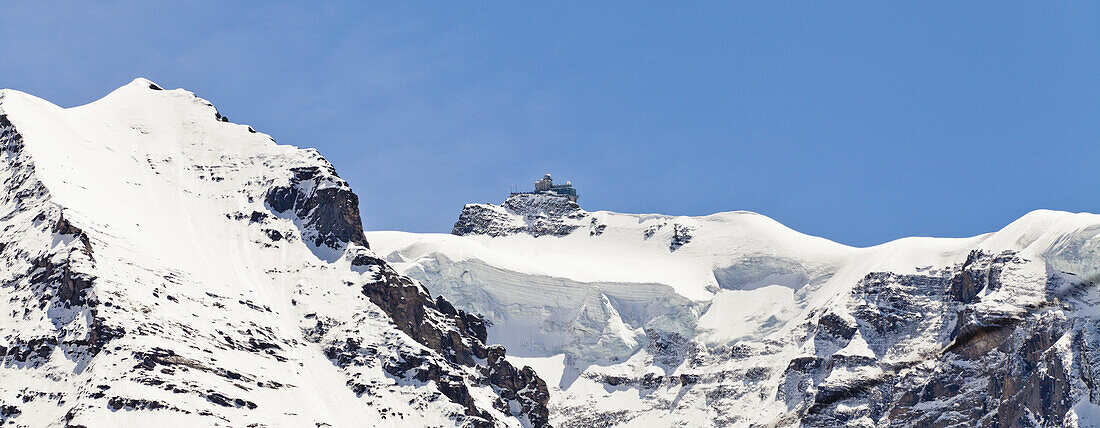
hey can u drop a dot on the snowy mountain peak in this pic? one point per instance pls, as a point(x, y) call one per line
point(142, 82)
point(164, 267)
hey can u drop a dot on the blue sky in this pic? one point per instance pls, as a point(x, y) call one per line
point(860, 122)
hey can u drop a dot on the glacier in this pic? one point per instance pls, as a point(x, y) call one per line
point(733, 319)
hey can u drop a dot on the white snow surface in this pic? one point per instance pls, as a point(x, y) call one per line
point(591, 304)
point(154, 179)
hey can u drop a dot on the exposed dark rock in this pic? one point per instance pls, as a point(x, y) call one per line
point(523, 386)
point(668, 348)
point(72, 286)
point(167, 359)
point(533, 214)
point(8, 411)
point(681, 235)
point(597, 229)
point(120, 403)
point(978, 272)
point(99, 334)
point(330, 214)
point(273, 235)
point(366, 259)
point(995, 369)
point(257, 217)
point(221, 400)
point(833, 326)
point(460, 341)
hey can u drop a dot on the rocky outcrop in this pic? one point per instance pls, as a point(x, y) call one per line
point(535, 214)
point(681, 235)
point(324, 202)
point(461, 339)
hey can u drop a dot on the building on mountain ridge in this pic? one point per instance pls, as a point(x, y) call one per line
point(546, 186)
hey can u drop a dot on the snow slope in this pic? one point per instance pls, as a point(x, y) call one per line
point(164, 267)
point(735, 319)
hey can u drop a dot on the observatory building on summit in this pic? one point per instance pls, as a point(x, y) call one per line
point(547, 186)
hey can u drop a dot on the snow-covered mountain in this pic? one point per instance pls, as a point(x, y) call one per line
point(733, 319)
point(165, 267)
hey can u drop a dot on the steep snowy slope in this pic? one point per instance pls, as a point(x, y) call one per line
point(164, 267)
point(734, 319)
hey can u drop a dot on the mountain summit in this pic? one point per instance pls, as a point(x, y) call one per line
point(164, 267)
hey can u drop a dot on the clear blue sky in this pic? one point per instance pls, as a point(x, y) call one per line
point(860, 122)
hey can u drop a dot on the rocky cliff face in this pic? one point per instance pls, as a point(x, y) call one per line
point(981, 343)
point(163, 267)
point(460, 338)
point(323, 202)
point(534, 214)
point(734, 320)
